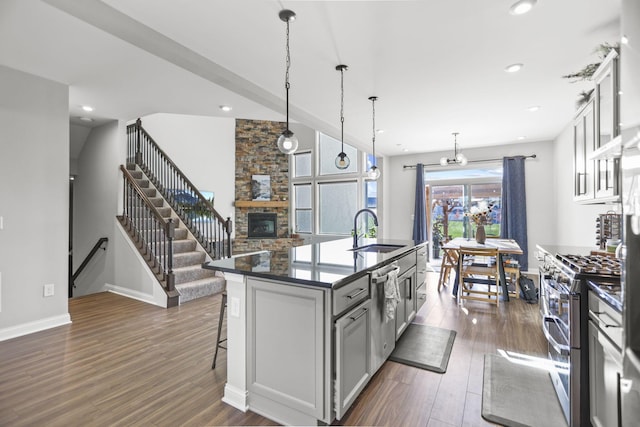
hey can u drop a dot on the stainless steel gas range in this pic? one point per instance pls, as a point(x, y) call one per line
point(564, 307)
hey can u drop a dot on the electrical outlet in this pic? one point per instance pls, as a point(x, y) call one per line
point(48, 290)
point(235, 307)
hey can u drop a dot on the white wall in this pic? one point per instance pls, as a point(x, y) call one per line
point(203, 148)
point(34, 202)
point(575, 222)
point(539, 187)
point(96, 188)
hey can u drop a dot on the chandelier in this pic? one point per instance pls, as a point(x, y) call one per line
point(458, 158)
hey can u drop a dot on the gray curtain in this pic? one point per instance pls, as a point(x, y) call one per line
point(514, 205)
point(420, 212)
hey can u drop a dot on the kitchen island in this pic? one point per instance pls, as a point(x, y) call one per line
point(306, 328)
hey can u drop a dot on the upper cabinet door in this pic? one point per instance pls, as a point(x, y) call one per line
point(584, 144)
point(596, 177)
point(608, 113)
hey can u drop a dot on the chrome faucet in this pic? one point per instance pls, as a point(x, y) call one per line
point(355, 224)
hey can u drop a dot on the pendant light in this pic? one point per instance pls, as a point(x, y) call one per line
point(458, 158)
point(374, 172)
point(342, 161)
point(287, 142)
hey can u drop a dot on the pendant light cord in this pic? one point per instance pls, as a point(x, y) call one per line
point(373, 139)
point(286, 74)
point(342, 108)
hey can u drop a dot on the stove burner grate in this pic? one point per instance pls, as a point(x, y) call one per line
point(599, 265)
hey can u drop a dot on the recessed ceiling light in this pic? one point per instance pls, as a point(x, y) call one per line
point(86, 119)
point(520, 138)
point(88, 108)
point(226, 108)
point(534, 108)
point(522, 6)
point(624, 40)
point(379, 130)
point(513, 68)
point(405, 150)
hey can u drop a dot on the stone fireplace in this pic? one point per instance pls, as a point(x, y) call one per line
point(257, 154)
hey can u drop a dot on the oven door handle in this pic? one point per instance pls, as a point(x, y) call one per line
point(564, 350)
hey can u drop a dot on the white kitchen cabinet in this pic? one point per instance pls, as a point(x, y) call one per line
point(286, 348)
point(605, 368)
point(584, 145)
point(421, 277)
point(406, 308)
point(607, 185)
point(353, 356)
point(596, 178)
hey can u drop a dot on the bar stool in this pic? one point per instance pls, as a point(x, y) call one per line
point(219, 342)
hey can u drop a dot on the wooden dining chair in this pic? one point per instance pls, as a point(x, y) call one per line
point(479, 275)
point(449, 263)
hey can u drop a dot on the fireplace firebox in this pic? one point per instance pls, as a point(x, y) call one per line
point(262, 225)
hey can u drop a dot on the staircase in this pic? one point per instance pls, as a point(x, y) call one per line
point(174, 236)
point(190, 279)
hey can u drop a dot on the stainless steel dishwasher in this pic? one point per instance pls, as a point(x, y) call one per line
point(383, 332)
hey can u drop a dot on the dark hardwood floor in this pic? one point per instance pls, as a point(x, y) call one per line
point(126, 363)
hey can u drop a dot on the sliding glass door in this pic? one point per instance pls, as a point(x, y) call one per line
point(451, 197)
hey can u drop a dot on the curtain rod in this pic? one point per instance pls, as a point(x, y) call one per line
point(532, 156)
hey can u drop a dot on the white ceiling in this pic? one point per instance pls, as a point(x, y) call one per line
point(436, 66)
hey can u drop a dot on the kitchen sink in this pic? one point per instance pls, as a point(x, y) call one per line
point(380, 248)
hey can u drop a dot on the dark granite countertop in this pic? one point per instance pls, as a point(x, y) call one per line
point(326, 264)
point(609, 293)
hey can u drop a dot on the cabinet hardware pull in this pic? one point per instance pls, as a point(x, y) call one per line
point(364, 311)
point(352, 296)
point(602, 322)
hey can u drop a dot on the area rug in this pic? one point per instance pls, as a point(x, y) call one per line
point(425, 347)
point(517, 395)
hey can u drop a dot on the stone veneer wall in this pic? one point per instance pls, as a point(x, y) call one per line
point(257, 154)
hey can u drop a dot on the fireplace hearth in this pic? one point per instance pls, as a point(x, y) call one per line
point(262, 225)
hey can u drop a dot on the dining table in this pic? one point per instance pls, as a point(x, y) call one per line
point(505, 248)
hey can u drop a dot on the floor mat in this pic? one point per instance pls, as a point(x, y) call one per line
point(425, 347)
point(517, 395)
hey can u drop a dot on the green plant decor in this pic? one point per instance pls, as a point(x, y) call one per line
point(201, 210)
point(586, 73)
point(371, 232)
point(437, 229)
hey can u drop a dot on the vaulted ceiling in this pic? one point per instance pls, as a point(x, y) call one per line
point(436, 66)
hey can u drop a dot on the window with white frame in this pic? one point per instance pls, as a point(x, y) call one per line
point(325, 198)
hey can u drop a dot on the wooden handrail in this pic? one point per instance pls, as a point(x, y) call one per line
point(143, 196)
point(201, 198)
point(167, 226)
point(215, 234)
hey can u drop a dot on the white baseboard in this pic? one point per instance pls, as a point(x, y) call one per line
point(31, 327)
point(235, 397)
point(130, 293)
